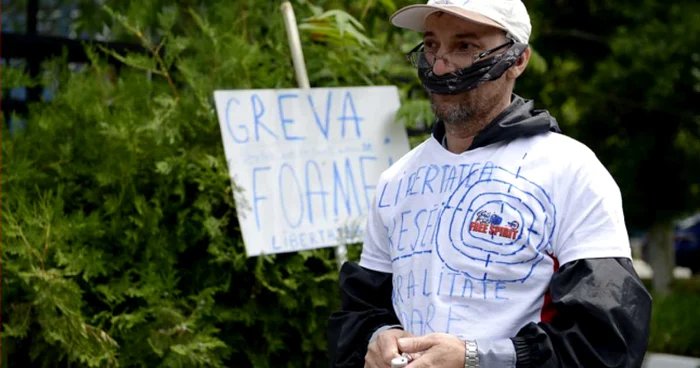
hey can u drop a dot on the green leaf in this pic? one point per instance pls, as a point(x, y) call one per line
point(537, 63)
point(167, 18)
point(16, 77)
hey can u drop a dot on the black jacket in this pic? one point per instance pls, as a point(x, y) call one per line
point(601, 309)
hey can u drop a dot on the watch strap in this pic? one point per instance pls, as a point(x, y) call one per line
point(471, 354)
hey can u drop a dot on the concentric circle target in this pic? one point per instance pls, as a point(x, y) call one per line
point(495, 217)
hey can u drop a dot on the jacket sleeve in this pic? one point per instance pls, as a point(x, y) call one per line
point(366, 305)
point(602, 314)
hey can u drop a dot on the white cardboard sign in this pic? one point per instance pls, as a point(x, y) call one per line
point(307, 161)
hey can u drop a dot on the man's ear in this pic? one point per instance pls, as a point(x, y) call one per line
point(519, 67)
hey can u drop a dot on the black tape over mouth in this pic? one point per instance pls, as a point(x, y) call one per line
point(473, 76)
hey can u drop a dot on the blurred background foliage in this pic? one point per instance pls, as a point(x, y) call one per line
point(121, 244)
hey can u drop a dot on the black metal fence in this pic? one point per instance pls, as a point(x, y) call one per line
point(34, 49)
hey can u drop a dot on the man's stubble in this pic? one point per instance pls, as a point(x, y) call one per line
point(466, 114)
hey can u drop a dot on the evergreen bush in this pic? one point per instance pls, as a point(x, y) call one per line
point(121, 244)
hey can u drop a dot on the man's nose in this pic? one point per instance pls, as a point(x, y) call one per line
point(442, 66)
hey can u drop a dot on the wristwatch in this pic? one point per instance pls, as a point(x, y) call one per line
point(471, 355)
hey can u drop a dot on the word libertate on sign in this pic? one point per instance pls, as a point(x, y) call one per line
point(305, 162)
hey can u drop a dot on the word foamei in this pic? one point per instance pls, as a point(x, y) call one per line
point(313, 191)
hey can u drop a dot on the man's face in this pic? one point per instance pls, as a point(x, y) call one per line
point(446, 33)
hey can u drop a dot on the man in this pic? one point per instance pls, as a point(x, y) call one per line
point(497, 242)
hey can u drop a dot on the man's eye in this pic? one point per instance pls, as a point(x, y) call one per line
point(429, 45)
point(466, 46)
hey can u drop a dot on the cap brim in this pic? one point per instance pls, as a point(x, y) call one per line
point(413, 16)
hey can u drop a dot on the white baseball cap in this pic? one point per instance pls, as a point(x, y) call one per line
point(508, 15)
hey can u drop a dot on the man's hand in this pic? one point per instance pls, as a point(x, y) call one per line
point(436, 350)
point(384, 348)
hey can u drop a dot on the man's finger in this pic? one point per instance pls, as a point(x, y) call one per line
point(415, 344)
point(414, 356)
point(371, 365)
point(421, 362)
point(388, 348)
point(372, 359)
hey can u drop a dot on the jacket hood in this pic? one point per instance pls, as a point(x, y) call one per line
point(519, 119)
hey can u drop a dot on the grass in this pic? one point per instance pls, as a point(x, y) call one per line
point(675, 324)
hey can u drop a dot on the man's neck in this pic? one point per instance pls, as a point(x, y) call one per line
point(461, 136)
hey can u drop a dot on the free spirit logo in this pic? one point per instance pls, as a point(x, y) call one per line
point(496, 220)
point(491, 223)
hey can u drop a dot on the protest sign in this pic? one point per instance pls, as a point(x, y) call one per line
point(306, 161)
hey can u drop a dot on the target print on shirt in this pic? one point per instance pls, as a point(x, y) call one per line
point(500, 220)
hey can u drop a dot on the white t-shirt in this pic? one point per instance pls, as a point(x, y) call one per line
point(472, 239)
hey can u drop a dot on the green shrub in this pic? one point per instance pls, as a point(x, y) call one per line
point(121, 244)
point(675, 326)
point(675, 323)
